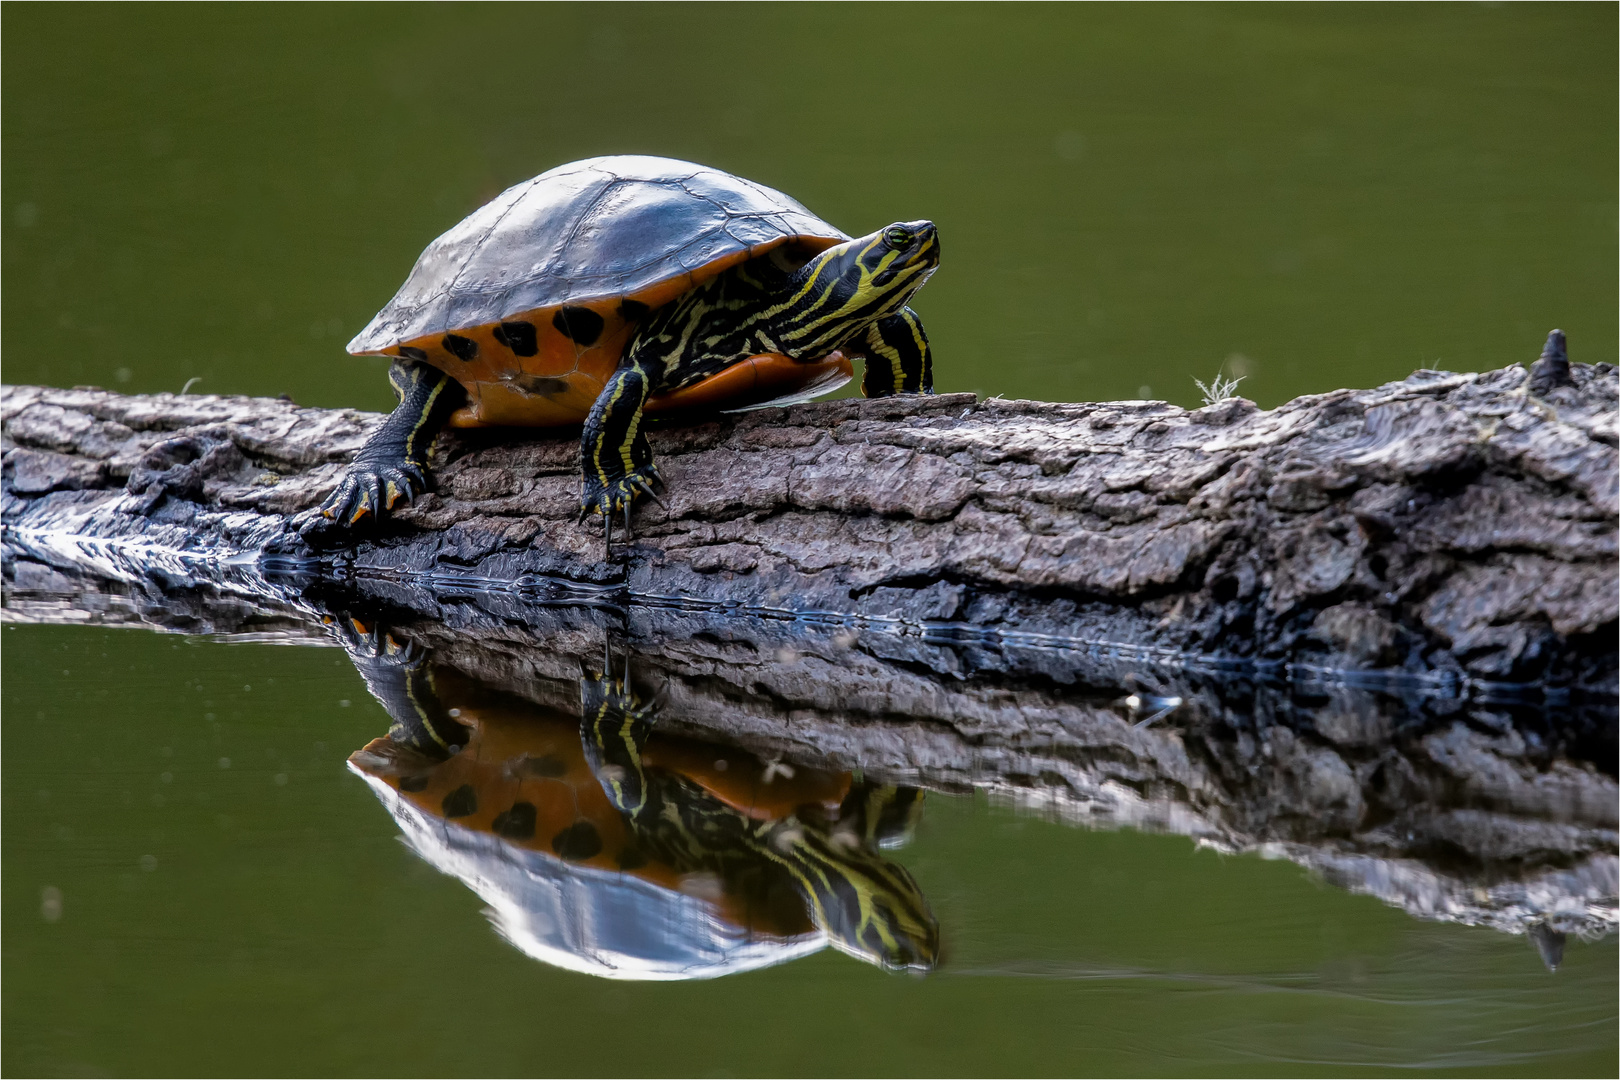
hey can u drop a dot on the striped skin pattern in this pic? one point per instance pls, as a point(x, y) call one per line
point(869, 907)
point(852, 295)
point(851, 298)
point(791, 849)
point(898, 360)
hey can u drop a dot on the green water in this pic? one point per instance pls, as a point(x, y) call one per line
point(1128, 197)
point(214, 919)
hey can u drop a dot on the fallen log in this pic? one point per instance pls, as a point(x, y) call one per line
point(1458, 526)
point(1370, 631)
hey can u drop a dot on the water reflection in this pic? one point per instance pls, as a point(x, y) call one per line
point(1092, 942)
point(604, 847)
point(1484, 805)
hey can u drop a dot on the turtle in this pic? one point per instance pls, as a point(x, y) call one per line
point(634, 826)
point(613, 289)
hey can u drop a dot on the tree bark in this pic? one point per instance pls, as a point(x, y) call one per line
point(1454, 529)
point(1369, 631)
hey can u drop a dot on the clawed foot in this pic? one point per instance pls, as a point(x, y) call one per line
point(368, 641)
point(616, 497)
point(372, 490)
point(614, 690)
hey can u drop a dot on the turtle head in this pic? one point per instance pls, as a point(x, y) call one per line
point(869, 907)
point(848, 287)
point(905, 245)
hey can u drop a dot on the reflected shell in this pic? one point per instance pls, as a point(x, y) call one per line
point(583, 918)
point(521, 818)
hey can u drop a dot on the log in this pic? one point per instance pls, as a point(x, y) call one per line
point(1453, 529)
point(1370, 631)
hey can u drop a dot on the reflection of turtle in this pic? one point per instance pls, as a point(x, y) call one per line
point(603, 850)
point(868, 906)
point(618, 287)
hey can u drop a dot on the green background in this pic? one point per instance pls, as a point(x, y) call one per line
point(1128, 197)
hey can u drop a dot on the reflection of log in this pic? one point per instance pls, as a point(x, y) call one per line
point(1445, 522)
point(1495, 815)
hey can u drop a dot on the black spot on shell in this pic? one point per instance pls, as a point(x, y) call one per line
point(519, 337)
point(577, 842)
point(543, 385)
point(631, 859)
point(579, 324)
point(411, 352)
point(549, 766)
point(460, 802)
point(413, 783)
point(516, 823)
point(633, 310)
point(459, 347)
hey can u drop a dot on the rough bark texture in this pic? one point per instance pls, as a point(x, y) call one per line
point(1453, 810)
point(1373, 632)
point(1446, 523)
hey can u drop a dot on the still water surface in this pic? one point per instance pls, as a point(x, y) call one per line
point(196, 881)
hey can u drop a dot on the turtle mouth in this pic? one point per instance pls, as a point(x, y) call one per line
point(915, 278)
point(927, 252)
point(922, 258)
point(925, 239)
point(918, 262)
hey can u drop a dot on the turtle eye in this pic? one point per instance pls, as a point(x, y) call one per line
point(897, 237)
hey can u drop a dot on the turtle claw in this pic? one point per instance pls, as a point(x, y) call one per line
point(371, 641)
point(618, 497)
point(372, 491)
point(646, 489)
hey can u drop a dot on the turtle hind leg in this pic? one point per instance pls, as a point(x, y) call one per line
point(615, 458)
point(392, 465)
point(898, 359)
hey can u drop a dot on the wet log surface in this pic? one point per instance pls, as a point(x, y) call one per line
point(1448, 526)
point(1373, 632)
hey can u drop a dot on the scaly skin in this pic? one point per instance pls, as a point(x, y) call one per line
point(898, 360)
point(869, 907)
point(852, 296)
point(392, 465)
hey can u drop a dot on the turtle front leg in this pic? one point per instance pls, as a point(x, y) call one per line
point(898, 359)
point(615, 457)
point(614, 726)
point(392, 465)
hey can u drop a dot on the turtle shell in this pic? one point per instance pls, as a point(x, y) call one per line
point(531, 299)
